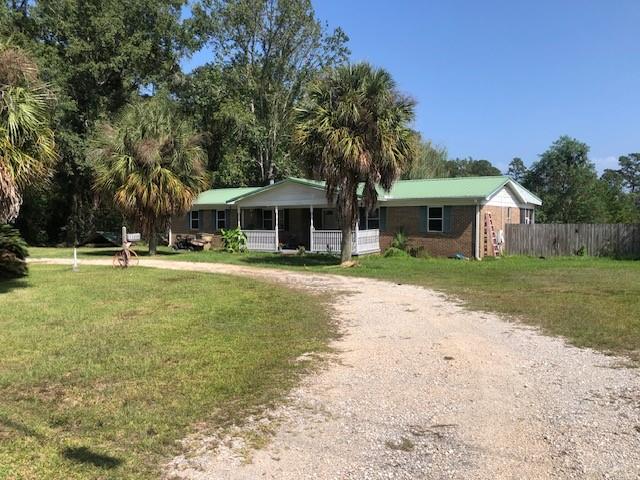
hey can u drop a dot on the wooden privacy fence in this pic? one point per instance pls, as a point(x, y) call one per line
point(540, 239)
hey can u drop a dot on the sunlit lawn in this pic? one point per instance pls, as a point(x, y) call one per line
point(102, 371)
point(592, 302)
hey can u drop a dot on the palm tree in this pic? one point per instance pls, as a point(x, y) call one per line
point(27, 147)
point(151, 163)
point(354, 129)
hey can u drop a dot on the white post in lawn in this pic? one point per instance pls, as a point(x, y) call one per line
point(75, 260)
point(355, 233)
point(238, 210)
point(311, 229)
point(275, 227)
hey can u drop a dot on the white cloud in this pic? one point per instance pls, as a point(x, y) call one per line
point(603, 163)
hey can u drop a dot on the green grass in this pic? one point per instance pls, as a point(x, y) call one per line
point(593, 302)
point(102, 371)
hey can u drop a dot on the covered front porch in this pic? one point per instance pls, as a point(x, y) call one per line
point(295, 213)
point(316, 229)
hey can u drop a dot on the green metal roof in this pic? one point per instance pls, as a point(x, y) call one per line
point(432, 188)
point(459, 187)
point(220, 196)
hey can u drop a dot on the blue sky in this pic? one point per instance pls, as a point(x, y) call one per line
point(496, 79)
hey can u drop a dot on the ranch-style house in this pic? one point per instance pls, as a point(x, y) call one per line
point(444, 216)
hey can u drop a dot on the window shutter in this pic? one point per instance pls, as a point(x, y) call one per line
point(446, 219)
point(200, 219)
point(424, 220)
point(227, 215)
point(362, 218)
point(214, 221)
point(383, 218)
point(522, 215)
point(286, 220)
point(189, 220)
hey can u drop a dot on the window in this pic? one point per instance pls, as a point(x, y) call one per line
point(508, 214)
point(434, 219)
point(194, 220)
point(221, 219)
point(283, 220)
point(526, 215)
point(373, 219)
point(267, 219)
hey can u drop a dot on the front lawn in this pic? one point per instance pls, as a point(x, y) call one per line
point(102, 371)
point(593, 302)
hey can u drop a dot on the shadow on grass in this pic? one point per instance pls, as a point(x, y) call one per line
point(85, 455)
point(293, 260)
point(18, 426)
point(12, 284)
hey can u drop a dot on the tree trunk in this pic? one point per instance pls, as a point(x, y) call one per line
point(345, 244)
point(153, 243)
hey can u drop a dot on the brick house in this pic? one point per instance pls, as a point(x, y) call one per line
point(444, 216)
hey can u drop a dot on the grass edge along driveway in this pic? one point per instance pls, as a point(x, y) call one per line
point(592, 302)
point(102, 371)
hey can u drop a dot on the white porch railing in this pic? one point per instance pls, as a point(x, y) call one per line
point(326, 241)
point(264, 240)
point(368, 241)
point(364, 241)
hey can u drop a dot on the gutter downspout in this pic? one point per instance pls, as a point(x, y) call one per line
point(477, 239)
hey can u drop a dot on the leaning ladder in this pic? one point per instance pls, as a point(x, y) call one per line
point(490, 234)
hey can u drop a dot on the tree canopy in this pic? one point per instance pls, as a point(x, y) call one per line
point(27, 146)
point(567, 182)
point(265, 53)
point(151, 163)
point(354, 128)
point(99, 57)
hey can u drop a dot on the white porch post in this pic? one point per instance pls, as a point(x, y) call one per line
point(239, 224)
point(275, 226)
point(356, 232)
point(311, 229)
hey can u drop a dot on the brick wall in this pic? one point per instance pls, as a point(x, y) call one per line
point(460, 239)
point(500, 217)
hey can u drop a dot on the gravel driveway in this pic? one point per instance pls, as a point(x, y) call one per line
point(422, 388)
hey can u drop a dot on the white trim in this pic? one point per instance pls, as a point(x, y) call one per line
point(311, 228)
point(521, 193)
point(477, 233)
point(276, 228)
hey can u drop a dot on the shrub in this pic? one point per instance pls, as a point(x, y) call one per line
point(13, 253)
point(395, 252)
point(301, 251)
point(234, 240)
point(418, 252)
point(400, 240)
point(582, 251)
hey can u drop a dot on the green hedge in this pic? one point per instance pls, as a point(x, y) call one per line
point(13, 253)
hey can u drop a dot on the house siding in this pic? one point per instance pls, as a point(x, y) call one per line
point(458, 240)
